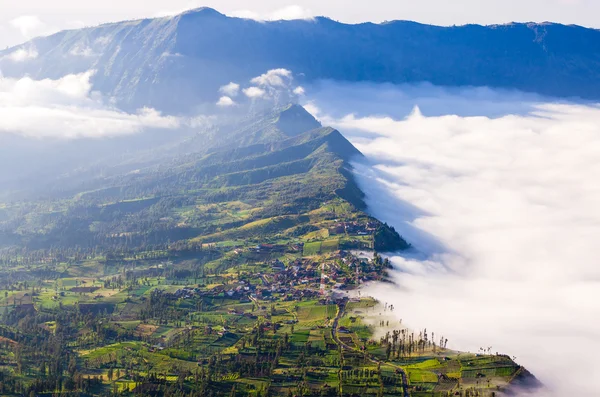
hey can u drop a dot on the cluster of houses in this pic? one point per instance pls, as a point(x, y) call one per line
point(299, 279)
point(356, 228)
point(268, 248)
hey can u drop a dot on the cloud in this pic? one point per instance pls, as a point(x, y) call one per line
point(231, 90)
point(29, 25)
point(225, 101)
point(168, 54)
point(503, 212)
point(279, 78)
point(312, 109)
point(68, 108)
point(22, 54)
point(275, 85)
point(291, 12)
point(104, 41)
point(82, 51)
point(299, 91)
point(254, 92)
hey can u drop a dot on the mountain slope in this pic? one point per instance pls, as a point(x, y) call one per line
point(30, 166)
point(264, 164)
point(175, 63)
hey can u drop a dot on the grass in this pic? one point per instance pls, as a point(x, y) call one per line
point(312, 249)
point(421, 376)
point(429, 364)
point(330, 245)
point(316, 235)
point(256, 224)
point(300, 336)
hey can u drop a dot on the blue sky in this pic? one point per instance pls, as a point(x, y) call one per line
point(24, 19)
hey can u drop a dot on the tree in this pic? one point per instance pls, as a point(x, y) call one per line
point(72, 367)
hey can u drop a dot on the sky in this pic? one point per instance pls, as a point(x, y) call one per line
point(25, 19)
point(496, 191)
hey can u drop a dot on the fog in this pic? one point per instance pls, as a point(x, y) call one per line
point(498, 192)
point(65, 129)
point(69, 108)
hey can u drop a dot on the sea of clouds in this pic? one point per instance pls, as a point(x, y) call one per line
point(499, 193)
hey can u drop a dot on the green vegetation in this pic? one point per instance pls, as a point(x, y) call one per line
point(219, 274)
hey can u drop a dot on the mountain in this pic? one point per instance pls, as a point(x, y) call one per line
point(278, 166)
point(210, 259)
point(177, 63)
point(31, 166)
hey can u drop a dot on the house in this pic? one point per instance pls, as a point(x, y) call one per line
point(278, 266)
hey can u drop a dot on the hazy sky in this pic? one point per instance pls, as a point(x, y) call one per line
point(24, 19)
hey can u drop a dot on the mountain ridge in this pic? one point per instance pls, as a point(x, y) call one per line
point(290, 167)
point(177, 63)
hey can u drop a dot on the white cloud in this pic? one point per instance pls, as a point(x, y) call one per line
point(82, 51)
point(504, 213)
point(299, 91)
point(103, 40)
point(254, 92)
point(231, 90)
point(201, 121)
point(22, 54)
point(312, 109)
point(168, 54)
point(291, 12)
point(225, 101)
point(67, 108)
point(29, 25)
point(276, 85)
point(273, 78)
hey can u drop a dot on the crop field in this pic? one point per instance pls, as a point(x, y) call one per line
point(330, 245)
point(311, 249)
point(316, 235)
point(222, 295)
point(321, 247)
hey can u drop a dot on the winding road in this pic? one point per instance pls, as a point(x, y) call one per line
point(334, 335)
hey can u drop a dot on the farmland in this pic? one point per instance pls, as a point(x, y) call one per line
point(255, 330)
point(226, 271)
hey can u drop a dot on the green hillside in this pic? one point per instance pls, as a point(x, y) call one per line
point(222, 271)
point(277, 164)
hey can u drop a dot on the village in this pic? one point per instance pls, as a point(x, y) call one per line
point(299, 279)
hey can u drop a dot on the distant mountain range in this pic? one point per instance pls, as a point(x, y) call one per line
point(177, 63)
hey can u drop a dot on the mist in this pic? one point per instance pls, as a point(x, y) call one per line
point(68, 108)
point(64, 131)
point(498, 193)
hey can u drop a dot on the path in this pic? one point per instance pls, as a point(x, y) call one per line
point(334, 335)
